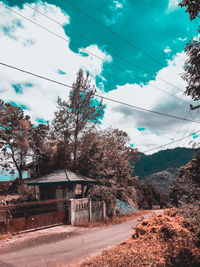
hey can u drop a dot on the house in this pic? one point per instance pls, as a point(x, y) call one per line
point(62, 184)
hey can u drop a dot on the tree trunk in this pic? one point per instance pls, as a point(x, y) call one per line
point(20, 174)
point(75, 144)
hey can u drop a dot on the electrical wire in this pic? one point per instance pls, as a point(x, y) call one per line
point(102, 97)
point(179, 127)
point(85, 50)
point(114, 33)
point(169, 143)
point(122, 38)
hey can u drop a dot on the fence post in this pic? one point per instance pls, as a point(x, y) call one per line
point(104, 209)
point(6, 220)
point(90, 209)
point(72, 210)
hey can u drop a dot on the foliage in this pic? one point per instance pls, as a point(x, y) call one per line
point(162, 181)
point(192, 70)
point(192, 7)
point(77, 116)
point(147, 197)
point(187, 189)
point(192, 49)
point(14, 138)
point(105, 156)
point(44, 150)
point(163, 240)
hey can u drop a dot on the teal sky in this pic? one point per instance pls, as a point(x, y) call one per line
point(151, 25)
point(158, 32)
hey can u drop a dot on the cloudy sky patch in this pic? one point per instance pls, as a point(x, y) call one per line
point(135, 72)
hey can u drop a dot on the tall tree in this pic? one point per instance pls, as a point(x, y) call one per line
point(77, 115)
point(106, 156)
point(14, 138)
point(192, 49)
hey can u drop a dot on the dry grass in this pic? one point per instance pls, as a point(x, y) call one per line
point(6, 236)
point(163, 240)
point(115, 219)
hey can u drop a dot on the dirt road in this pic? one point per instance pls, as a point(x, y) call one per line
point(69, 247)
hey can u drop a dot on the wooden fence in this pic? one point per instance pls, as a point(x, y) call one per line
point(33, 215)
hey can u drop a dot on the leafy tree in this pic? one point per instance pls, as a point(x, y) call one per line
point(192, 70)
point(77, 115)
point(192, 7)
point(106, 157)
point(43, 149)
point(192, 49)
point(14, 138)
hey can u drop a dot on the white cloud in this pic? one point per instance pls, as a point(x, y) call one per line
point(167, 50)
point(173, 4)
point(159, 129)
point(118, 4)
point(26, 46)
point(182, 39)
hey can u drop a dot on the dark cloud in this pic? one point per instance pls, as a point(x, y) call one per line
point(155, 122)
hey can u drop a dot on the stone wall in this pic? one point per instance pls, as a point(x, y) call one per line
point(83, 210)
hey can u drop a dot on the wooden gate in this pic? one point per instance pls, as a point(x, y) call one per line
point(33, 215)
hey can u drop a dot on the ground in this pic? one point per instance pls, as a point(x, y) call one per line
point(62, 244)
point(164, 240)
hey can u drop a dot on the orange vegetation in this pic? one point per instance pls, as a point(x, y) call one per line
point(163, 240)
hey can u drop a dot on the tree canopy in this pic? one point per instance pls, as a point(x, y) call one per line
point(14, 138)
point(192, 49)
point(77, 115)
point(192, 7)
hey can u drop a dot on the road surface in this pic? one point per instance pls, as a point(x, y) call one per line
point(70, 249)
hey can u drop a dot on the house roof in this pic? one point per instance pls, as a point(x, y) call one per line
point(62, 177)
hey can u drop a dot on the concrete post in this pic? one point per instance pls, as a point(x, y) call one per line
point(72, 209)
point(104, 209)
point(90, 209)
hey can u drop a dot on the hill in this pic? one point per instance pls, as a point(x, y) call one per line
point(162, 160)
point(161, 169)
point(162, 181)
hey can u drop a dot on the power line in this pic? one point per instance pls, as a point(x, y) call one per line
point(123, 39)
point(34, 74)
point(169, 143)
point(116, 67)
point(193, 129)
point(83, 37)
point(102, 97)
point(179, 127)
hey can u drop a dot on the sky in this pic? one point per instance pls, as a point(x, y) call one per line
point(135, 71)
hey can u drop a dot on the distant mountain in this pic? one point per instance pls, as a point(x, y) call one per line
point(162, 160)
point(161, 169)
point(162, 181)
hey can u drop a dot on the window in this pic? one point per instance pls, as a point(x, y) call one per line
point(70, 188)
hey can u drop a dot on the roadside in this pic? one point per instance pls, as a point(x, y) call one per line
point(62, 244)
point(56, 233)
point(115, 219)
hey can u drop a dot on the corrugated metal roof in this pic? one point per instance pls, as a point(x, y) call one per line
point(62, 177)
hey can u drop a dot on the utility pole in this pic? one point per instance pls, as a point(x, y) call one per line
point(192, 107)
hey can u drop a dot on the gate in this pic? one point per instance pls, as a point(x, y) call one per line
point(33, 215)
